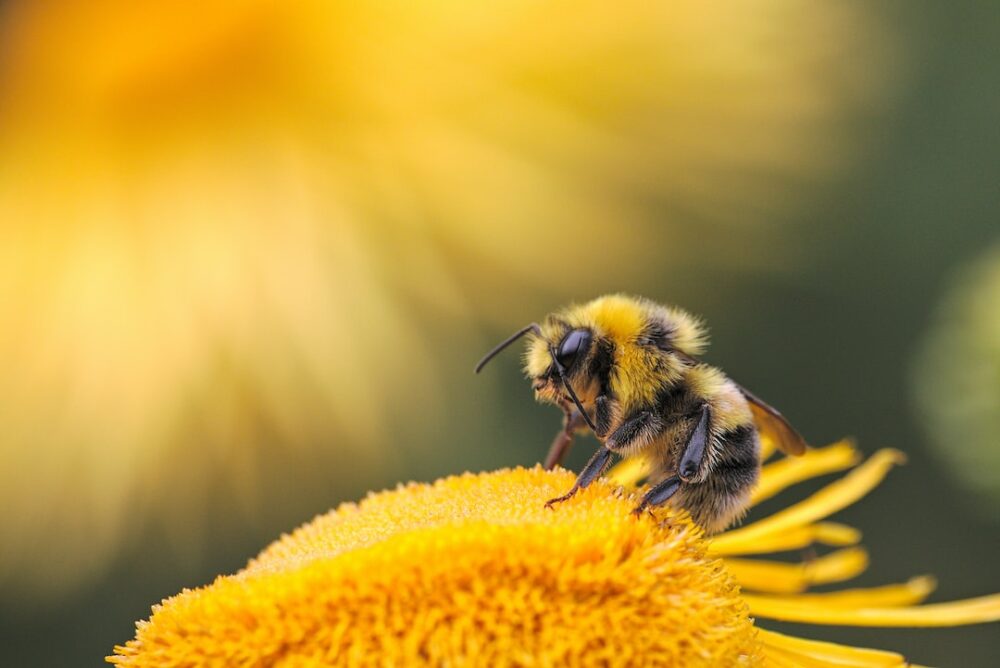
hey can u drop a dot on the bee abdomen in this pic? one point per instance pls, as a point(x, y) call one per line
point(724, 494)
point(737, 464)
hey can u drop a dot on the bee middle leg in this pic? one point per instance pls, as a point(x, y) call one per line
point(594, 468)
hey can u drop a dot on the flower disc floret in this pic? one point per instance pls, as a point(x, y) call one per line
point(471, 570)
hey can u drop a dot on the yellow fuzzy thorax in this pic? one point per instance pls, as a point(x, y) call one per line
point(623, 320)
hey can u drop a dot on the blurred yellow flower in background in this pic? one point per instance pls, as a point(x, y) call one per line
point(229, 224)
point(475, 570)
point(957, 374)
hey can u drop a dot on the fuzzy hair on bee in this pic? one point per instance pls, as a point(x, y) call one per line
point(628, 369)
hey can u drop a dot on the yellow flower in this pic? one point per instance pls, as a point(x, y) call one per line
point(472, 570)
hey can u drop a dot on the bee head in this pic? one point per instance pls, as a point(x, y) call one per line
point(616, 345)
point(557, 363)
point(571, 349)
point(556, 358)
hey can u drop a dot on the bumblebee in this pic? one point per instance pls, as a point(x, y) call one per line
point(628, 370)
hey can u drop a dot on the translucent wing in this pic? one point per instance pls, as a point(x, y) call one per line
point(772, 425)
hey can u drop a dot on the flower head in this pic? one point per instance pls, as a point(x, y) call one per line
point(474, 570)
point(471, 567)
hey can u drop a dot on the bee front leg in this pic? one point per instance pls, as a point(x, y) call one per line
point(594, 468)
point(572, 422)
point(605, 411)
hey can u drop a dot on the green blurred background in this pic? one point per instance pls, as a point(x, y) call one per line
point(250, 253)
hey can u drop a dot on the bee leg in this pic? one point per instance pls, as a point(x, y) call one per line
point(602, 415)
point(690, 464)
point(659, 494)
point(560, 444)
point(564, 439)
point(640, 427)
point(694, 450)
point(589, 474)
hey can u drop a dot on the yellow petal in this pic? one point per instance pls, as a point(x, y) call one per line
point(777, 577)
point(800, 651)
point(786, 472)
point(827, 533)
point(830, 499)
point(908, 593)
point(954, 613)
point(775, 658)
point(630, 471)
point(767, 447)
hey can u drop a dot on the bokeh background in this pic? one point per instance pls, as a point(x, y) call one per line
point(250, 250)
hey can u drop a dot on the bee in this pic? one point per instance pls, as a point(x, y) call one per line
point(628, 370)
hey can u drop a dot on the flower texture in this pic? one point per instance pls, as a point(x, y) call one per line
point(473, 570)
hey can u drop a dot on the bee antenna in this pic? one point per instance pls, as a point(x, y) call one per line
point(533, 327)
point(572, 394)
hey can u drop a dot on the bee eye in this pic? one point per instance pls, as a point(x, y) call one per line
point(571, 346)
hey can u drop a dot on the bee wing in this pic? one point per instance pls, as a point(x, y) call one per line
point(772, 424)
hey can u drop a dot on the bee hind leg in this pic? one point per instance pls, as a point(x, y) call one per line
point(690, 464)
point(659, 494)
point(594, 468)
point(694, 450)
